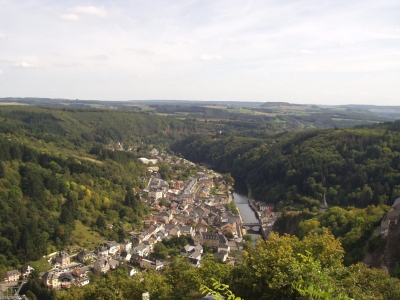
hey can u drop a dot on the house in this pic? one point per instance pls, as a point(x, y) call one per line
point(198, 248)
point(187, 230)
point(66, 280)
point(101, 266)
point(135, 259)
point(202, 227)
point(125, 255)
point(112, 246)
point(224, 247)
point(186, 197)
point(148, 264)
point(155, 193)
point(63, 259)
point(166, 216)
point(210, 238)
point(185, 251)
point(141, 250)
point(126, 245)
point(131, 270)
point(50, 279)
point(83, 281)
point(102, 250)
point(173, 230)
point(26, 270)
point(194, 262)
point(221, 255)
point(114, 264)
point(178, 185)
point(78, 273)
point(12, 275)
point(150, 244)
point(204, 192)
point(202, 211)
point(84, 255)
point(162, 234)
point(195, 254)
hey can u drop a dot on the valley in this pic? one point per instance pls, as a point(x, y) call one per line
point(128, 191)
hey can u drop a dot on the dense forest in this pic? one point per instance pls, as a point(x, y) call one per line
point(43, 194)
point(61, 180)
point(358, 166)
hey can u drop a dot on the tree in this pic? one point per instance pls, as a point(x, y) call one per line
point(2, 170)
point(219, 291)
point(275, 264)
point(319, 284)
point(160, 251)
point(101, 222)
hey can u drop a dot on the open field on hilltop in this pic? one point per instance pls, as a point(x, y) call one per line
point(11, 103)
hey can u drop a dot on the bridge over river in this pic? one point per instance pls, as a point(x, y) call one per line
point(251, 224)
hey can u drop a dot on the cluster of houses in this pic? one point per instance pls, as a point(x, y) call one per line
point(191, 211)
point(67, 273)
point(15, 275)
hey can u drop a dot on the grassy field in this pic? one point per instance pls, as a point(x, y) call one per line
point(40, 265)
point(84, 237)
point(12, 103)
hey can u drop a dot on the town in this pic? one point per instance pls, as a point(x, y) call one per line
point(200, 208)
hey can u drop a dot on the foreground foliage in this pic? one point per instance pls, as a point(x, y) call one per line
point(283, 267)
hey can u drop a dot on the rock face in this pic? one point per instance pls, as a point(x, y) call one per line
point(393, 245)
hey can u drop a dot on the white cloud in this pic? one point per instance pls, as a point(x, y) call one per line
point(140, 51)
point(25, 65)
point(70, 17)
point(210, 57)
point(347, 42)
point(239, 42)
point(68, 64)
point(1, 73)
point(2, 36)
point(100, 57)
point(305, 51)
point(91, 10)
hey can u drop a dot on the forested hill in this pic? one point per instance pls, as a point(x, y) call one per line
point(358, 166)
point(60, 186)
point(81, 127)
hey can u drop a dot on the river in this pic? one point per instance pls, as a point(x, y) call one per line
point(246, 212)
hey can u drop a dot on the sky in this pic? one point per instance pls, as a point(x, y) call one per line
point(315, 51)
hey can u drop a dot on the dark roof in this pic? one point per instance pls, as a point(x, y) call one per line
point(193, 261)
point(62, 254)
point(66, 276)
point(25, 268)
point(12, 272)
point(214, 236)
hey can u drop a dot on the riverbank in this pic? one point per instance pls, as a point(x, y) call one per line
point(238, 228)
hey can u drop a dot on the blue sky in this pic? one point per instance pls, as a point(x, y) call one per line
point(322, 52)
